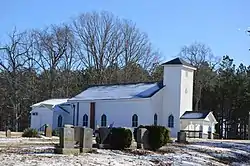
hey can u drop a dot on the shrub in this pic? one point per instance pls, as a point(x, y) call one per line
point(135, 131)
point(55, 132)
point(158, 136)
point(120, 138)
point(29, 132)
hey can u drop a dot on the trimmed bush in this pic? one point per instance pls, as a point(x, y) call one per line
point(158, 136)
point(120, 138)
point(29, 132)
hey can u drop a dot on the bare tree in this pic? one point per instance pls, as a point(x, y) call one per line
point(201, 56)
point(99, 40)
point(137, 49)
point(13, 58)
point(105, 41)
point(51, 45)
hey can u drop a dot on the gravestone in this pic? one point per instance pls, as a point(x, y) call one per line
point(103, 133)
point(67, 139)
point(86, 138)
point(8, 133)
point(77, 133)
point(133, 142)
point(181, 137)
point(48, 131)
point(142, 138)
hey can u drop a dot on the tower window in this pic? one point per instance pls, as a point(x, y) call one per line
point(186, 73)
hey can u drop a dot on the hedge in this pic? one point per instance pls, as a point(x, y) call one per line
point(120, 138)
point(158, 136)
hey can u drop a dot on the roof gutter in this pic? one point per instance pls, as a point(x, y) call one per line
point(109, 100)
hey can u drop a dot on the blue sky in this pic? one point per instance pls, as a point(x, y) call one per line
point(169, 24)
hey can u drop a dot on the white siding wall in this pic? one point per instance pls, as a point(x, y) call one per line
point(187, 76)
point(119, 111)
point(178, 79)
point(45, 116)
point(171, 97)
point(84, 108)
point(156, 103)
point(66, 118)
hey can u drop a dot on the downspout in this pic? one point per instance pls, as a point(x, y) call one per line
point(74, 114)
point(77, 116)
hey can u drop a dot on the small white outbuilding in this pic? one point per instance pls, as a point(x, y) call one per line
point(198, 124)
point(54, 112)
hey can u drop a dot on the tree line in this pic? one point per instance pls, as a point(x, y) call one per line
point(59, 61)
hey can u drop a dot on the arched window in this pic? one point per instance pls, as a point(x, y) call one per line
point(134, 120)
point(155, 119)
point(85, 120)
point(59, 121)
point(104, 120)
point(171, 121)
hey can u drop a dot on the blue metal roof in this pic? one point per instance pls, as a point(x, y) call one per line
point(194, 115)
point(119, 91)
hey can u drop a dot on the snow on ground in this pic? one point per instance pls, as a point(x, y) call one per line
point(197, 152)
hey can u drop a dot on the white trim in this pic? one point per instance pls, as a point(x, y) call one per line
point(50, 102)
point(179, 65)
point(108, 100)
point(212, 115)
point(189, 67)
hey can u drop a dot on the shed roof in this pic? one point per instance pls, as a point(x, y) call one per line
point(119, 91)
point(194, 115)
point(51, 102)
point(178, 61)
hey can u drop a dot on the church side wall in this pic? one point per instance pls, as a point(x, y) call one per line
point(66, 117)
point(121, 112)
point(157, 105)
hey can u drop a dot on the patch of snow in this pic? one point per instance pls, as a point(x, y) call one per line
point(196, 153)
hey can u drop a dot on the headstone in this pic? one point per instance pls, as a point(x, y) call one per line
point(67, 137)
point(103, 135)
point(8, 133)
point(86, 137)
point(77, 133)
point(68, 126)
point(142, 138)
point(181, 137)
point(48, 131)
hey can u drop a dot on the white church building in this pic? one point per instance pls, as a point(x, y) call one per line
point(127, 105)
